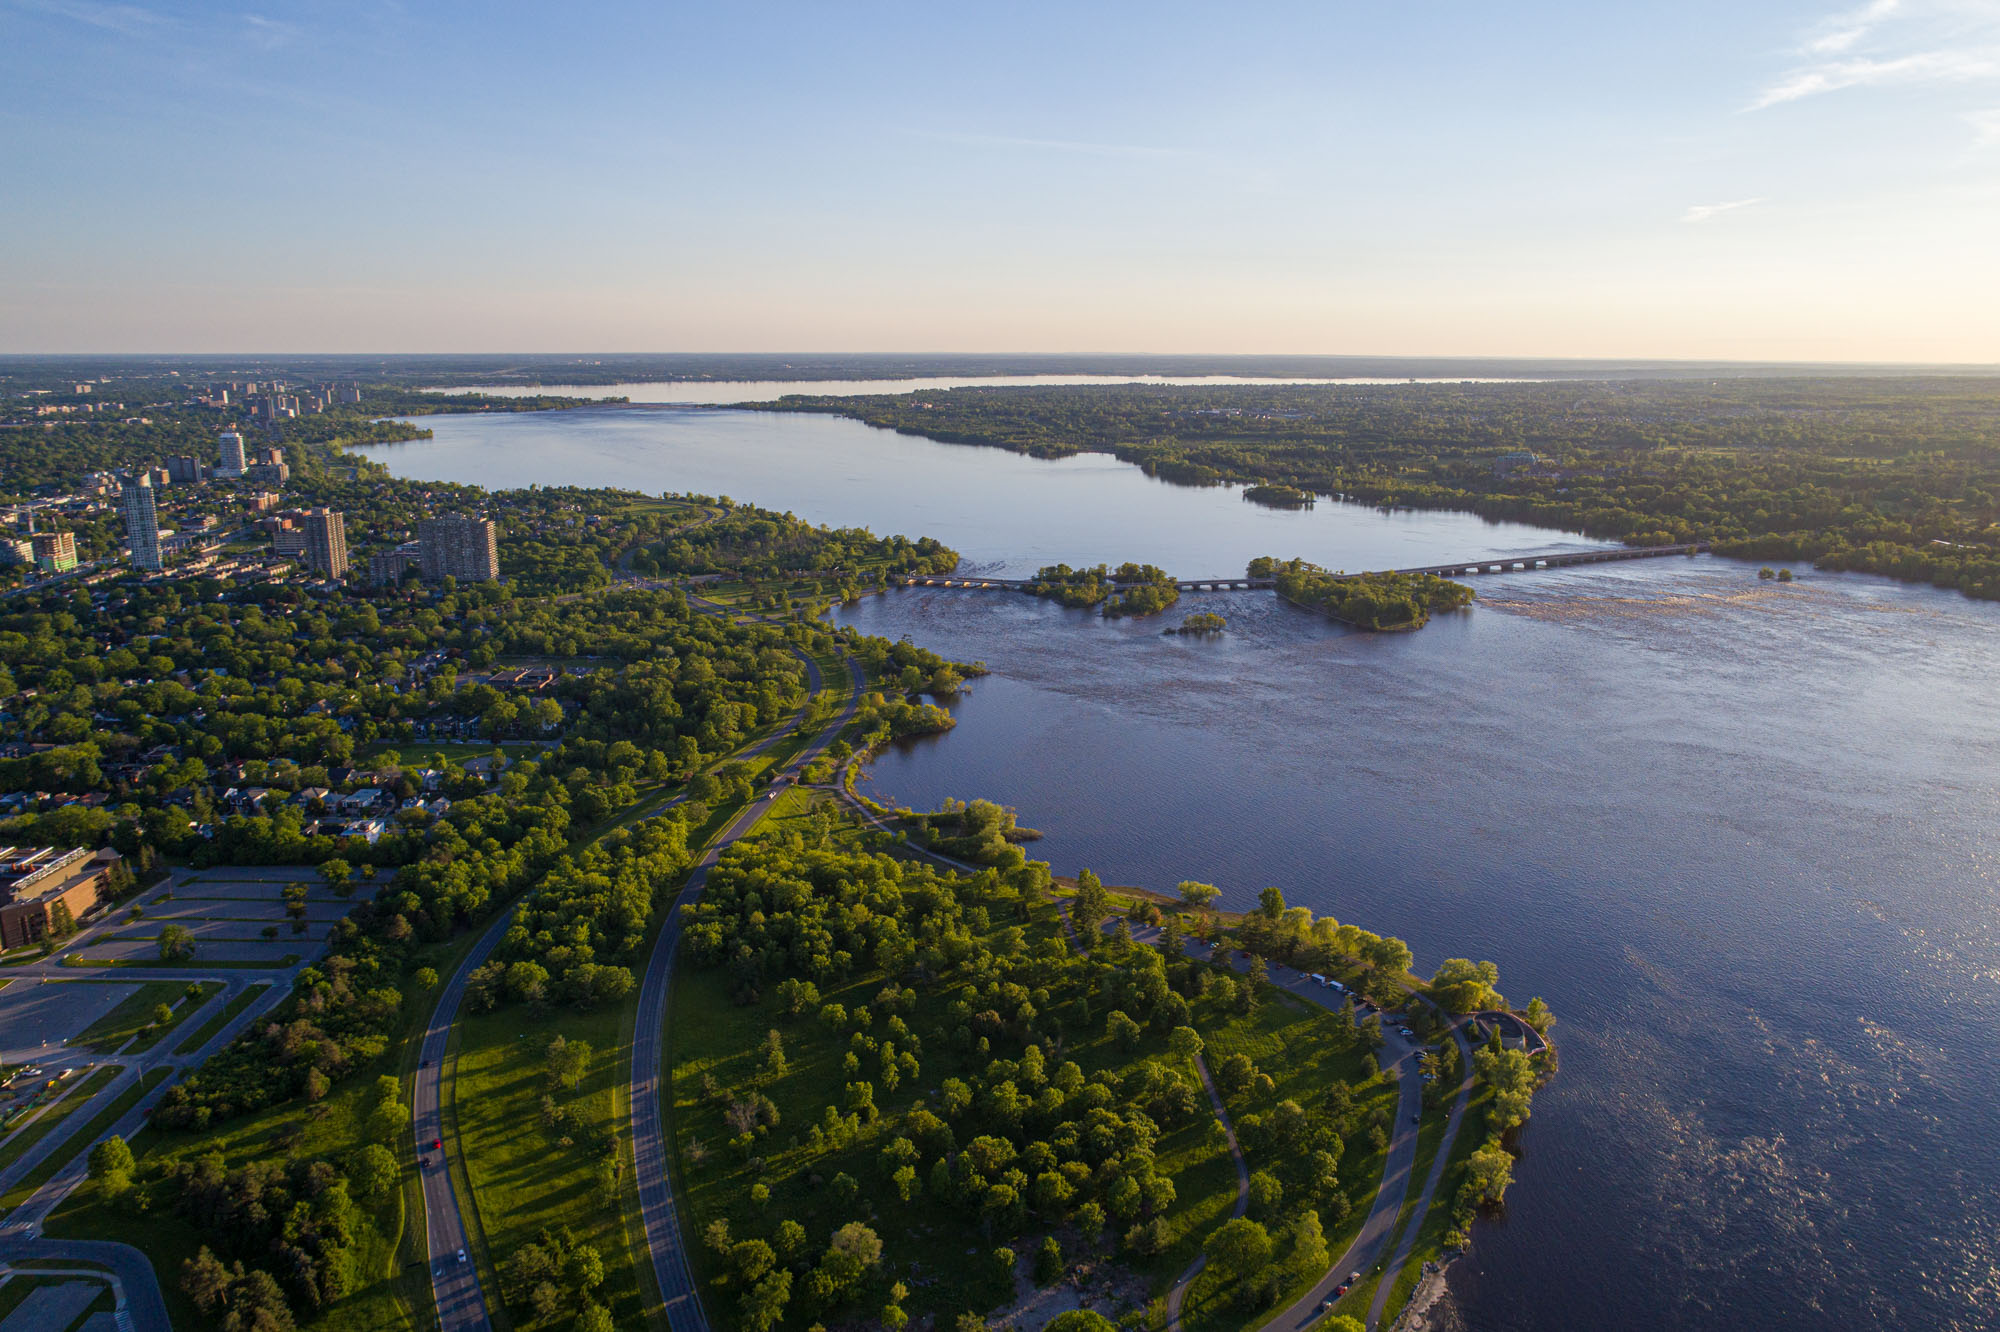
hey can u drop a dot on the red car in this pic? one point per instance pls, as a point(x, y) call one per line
point(436, 1143)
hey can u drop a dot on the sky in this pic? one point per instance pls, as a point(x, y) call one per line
point(1778, 180)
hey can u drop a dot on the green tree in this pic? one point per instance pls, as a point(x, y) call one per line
point(1200, 896)
point(176, 943)
point(1090, 906)
point(111, 1166)
point(373, 1171)
point(1184, 1043)
point(1463, 986)
point(567, 1062)
point(1239, 1249)
point(1048, 1262)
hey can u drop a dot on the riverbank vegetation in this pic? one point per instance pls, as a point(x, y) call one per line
point(1899, 477)
point(1378, 601)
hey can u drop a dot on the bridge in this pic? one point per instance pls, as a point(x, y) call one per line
point(1554, 559)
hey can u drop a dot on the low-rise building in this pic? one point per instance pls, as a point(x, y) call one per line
point(40, 885)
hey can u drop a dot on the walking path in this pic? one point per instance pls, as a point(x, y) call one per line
point(1180, 1290)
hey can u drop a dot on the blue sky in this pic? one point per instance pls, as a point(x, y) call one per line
point(1778, 180)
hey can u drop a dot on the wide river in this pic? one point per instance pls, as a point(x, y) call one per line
point(1741, 836)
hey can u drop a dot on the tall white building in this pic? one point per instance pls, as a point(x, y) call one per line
point(142, 524)
point(233, 461)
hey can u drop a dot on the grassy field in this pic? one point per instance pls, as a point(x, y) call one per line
point(1300, 1045)
point(524, 1177)
point(80, 1092)
point(205, 1033)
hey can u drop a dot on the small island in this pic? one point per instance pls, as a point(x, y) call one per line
point(1201, 622)
point(1131, 589)
point(1273, 495)
point(1378, 602)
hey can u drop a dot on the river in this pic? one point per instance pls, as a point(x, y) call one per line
point(1742, 836)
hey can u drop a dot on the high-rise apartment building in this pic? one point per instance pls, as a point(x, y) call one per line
point(55, 552)
point(184, 470)
point(326, 542)
point(232, 453)
point(142, 524)
point(467, 549)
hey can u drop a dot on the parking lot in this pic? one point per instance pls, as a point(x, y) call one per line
point(227, 911)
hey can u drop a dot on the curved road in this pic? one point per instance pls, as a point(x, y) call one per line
point(651, 1155)
point(144, 1309)
point(1416, 1224)
point(461, 1303)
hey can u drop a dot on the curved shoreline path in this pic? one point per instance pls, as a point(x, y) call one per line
point(652, 1158)
point(461, 1302)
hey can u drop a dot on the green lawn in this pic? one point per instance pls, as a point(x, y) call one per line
point(79, 1092)
point(524, 1177)
point(206, 1032)
point(153, 1034)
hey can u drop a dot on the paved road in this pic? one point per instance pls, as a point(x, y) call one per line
point(1417, 1214)
point(651, 1155)
point(454, 1284)
point(27, 1219)
point(461, 1302)
point(144, 1309)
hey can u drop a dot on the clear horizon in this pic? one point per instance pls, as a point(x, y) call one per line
point(1807, 183)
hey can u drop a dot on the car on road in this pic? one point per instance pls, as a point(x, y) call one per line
point(1406, 1033)
point(461, 1255)
point(436, 1143)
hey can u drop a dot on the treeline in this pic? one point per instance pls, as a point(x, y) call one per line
point(754, 543)
point(1899, 477)
point(1378, 601)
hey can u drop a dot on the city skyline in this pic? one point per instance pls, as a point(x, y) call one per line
point(1810, 181)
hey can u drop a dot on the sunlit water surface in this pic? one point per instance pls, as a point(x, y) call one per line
point(1742, 836)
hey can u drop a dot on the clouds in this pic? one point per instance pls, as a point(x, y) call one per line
point(1840, 33)
point(1699, 213)
point(1922, 67)
point(1892, 43)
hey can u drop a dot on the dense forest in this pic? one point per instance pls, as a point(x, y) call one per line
point(1893, 476)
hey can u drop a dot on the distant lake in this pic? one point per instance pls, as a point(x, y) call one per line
point(724, 392)
point(1744, 837)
